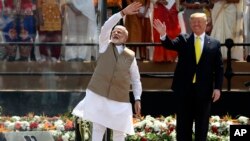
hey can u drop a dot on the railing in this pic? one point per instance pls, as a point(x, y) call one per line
point(229, 73)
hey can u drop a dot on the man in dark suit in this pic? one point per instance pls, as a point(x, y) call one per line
point(198, 76)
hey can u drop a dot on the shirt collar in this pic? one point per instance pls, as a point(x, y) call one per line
point(202, 36)
point(120, 48)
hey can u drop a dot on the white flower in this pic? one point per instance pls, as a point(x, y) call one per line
point(168, 119)
point(65, 137)
point(68, 136)
point(229, 122)
point(25, 125)
point(173, 135)
point(36, 118)
point(149, 124)
point(158, 126)
point(243, 120)
point(173, 122)
point(11, 126)
point(55, 133)
point(7, 123)
point(215, 118)
point(40, 127)
point(58, 122)
point(224, 127)
point(149, 118)
point(142, 133)
point(72, 135)
point(212, 136)
point(225, 138)
point(15, 118)
point(59, 125)
point(216, 124)
point(139, 125)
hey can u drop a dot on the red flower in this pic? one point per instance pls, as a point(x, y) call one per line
point(59, 138)
point(33, 125)
point(147, 129)
point(69, 125)
point(18, 126)
point(143, 139)
point(214, 129)
point(171, 127)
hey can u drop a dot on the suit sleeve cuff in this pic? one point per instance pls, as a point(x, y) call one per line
point(163, 37)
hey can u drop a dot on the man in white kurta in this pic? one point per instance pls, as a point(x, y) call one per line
point(99, 109)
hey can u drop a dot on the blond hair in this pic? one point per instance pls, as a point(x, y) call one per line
point(199, 15)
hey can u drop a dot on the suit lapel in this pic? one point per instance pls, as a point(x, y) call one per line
point(191, 44)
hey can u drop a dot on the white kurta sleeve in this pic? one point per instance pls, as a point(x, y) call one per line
point(106, 29)
point(135, 80)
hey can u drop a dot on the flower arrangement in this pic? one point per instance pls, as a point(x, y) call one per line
point(147, 128)
point(60, 127)
point(150, 128)
point(163, 128)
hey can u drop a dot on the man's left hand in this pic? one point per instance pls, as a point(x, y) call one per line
point(138, 108)
point(216, 95)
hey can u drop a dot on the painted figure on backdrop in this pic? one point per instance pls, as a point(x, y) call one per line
point(139, 27)
point(226, 21)
point(10, 30)
point(77, 13)
point(198, 76)
point(26, 27)
point(107, 103)
point(247, 28)
point(19, 27)
point(190, 7)
point(166, 12)
point(49, 28)
point(2, 25)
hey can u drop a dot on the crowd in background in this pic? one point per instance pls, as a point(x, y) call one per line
point(226, 19)
point(76, 21)
point(45, 21)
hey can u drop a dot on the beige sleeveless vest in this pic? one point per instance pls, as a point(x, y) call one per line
point(111, 77)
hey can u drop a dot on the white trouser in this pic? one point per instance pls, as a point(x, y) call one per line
point(99, 130)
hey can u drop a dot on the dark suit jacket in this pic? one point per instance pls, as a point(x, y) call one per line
point(209, 70)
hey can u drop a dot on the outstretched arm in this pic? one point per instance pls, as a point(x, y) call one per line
point(174, 44)
point(104, 37)
point(160, 27)
point(131, 9)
